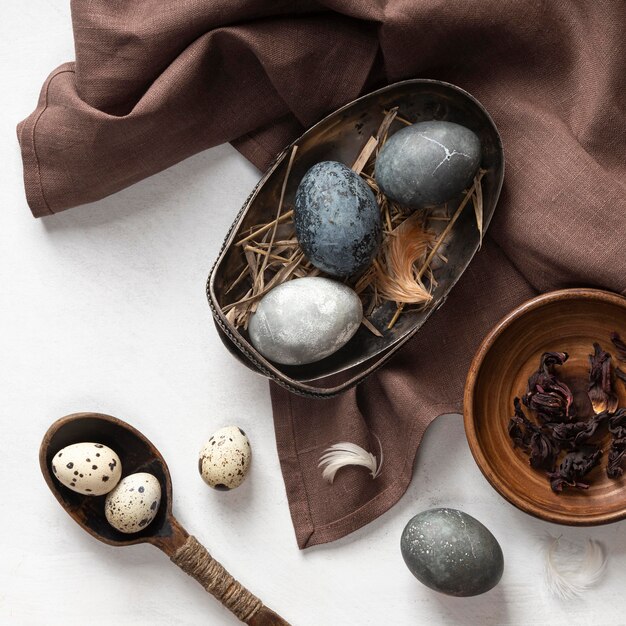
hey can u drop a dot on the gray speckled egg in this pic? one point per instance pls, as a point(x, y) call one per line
point(89, 468)
point(428, 163)
point(225, 458)
point(337, 219)
point(305, 320)
point(134, 503)
point(451, 552)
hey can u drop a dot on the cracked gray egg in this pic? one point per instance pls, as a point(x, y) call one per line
point(337, 219)
point(452, 552)
point(305, 320)
point(134, 503)
point(225, 458)
point(91, 469)
point(428, 163)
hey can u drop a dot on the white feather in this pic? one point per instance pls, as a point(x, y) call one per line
point(571, 569)
point(345, 453)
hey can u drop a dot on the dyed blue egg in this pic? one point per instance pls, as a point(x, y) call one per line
point(452, 552)
point(428, 163)
point(337, 219)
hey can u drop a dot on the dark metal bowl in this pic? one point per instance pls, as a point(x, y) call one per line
point(340, 137)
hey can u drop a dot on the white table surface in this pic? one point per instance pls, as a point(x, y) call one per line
point(103, 309)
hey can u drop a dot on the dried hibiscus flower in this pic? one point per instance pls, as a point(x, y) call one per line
point(617, 424)
point(601, 391)
point(551, 398)
point(520, 427)
point(620, 346)
point(574, 466)
point(617, 450)
point(554, 429)
point(543, 452)
point(617, 428)
point(528, 436)
point(575, 433)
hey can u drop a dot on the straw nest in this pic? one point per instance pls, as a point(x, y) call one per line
point(404, 270)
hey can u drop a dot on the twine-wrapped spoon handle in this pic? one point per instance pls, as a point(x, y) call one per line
point(194, 559)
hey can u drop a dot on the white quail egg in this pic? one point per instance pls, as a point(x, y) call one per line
point(91, 469)
point(134, 503)
point(225, 458)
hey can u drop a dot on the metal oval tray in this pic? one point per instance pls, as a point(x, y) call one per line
point(340, 136)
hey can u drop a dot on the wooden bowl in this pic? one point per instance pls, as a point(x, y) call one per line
point(569, 320)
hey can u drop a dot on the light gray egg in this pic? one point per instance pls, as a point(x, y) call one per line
point(225, 458)
point(337, 219)
point(305, 320)
point(91, 469)
point(134, 503)
point(452, 552)
point(428, 163)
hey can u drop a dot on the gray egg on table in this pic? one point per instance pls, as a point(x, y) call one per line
point(337, 219)
point(305, 320)
point(428, 163)
point(452, 552)
point(88, 468)
point(225, 458)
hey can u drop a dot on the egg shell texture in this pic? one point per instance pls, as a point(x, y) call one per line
point(428, 163)
point(225, 458)
point(337, 219)
point(452, 552)
point(91, 469)
point(305, 320)
point(134, 503)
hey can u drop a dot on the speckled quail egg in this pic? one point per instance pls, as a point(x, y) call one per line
point(134, 503)
point(225, 458)
point(91, 469)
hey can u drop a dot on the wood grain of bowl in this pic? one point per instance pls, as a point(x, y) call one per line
point(568, 320)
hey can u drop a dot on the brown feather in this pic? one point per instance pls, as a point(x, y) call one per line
point(402, 257)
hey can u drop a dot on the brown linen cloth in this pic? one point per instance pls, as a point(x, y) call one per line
point(157, 80)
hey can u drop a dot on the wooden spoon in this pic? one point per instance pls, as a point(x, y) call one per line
point(165, 532)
